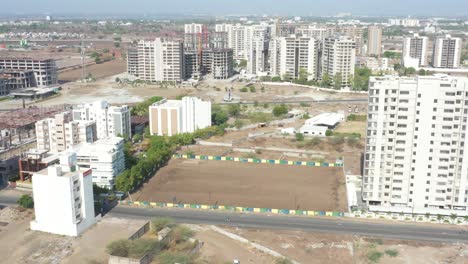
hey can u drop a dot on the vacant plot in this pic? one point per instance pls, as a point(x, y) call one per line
point(101, 70)
point(248, 185)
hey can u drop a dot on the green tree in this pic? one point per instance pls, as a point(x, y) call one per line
point(26, 201)
point(286, 76)
point(234, 110)
point(325, 82)
point(280, 110)
point(243, 64)
point(410, 71)
point(337, 81)
point(276, 79)
point(303, 76)
point(238, 123)
point(218, 116)
point(299, 137)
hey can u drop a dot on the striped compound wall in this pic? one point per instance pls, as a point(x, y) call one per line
point(267, 161)
point(232, 208)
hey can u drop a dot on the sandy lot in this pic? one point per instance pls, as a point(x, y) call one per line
point(248, 185)
point(307, 247)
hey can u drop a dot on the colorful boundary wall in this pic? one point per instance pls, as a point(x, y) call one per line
point(266, 161)
point(233, 208)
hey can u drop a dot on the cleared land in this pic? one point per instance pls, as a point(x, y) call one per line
point(248, 185)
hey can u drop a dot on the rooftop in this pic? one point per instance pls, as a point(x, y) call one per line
point(325, 119)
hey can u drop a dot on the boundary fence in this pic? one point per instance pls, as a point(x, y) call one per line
point(264, 161)
point(232, 208)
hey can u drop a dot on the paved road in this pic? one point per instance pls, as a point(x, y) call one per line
point(363, 100)
point(341, 226)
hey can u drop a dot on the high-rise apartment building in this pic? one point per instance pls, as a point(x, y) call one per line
point(236, 35)
point(63, 198)
point(293, 56)
point(192, 35)
point(45, 70)
point(60, 133)
point(374, 40)
point(170, 117)
point(447, 52)
point(258, 55)
point(356, 33)
point(111, 121)
point(416, 155)
point(339, 59)
point(414, 48)
point(160, 60)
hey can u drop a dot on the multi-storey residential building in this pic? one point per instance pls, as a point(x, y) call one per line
point(258, 55)
point(416, 154)
point(339, 58)
point(374, 40)
point(192, 35)
point(159, 60)
point(237, 38)
point(293, 56)
point(45, 70)
point(356, 33)
point(69, 208)
point(218, 63)
point(414, 48)
point(447, 52)
point(104, 157)
point(170, 117)
point(61, 133)
point(219, 40)
point(132, 61)
point(111, 121)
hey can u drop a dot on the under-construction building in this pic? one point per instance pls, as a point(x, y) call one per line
point(45, 70)
point(15, 79)
point(132, 61)
point(219, 63)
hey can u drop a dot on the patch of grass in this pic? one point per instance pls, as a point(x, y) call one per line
point(157, 224)
point(171, 258)
point(391, 252)
point(353, 117)
point(283, 261)
point(374, 256)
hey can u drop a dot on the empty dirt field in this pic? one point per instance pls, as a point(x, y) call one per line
point(247, 185)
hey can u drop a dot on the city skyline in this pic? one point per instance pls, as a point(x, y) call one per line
point(452, 8)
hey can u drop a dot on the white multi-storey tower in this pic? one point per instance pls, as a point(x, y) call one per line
point(416, 157)
point(415, 48)
point(111, 121)
point(295, 54)
point(447, 52)
point(339, 58)
point(63, 198)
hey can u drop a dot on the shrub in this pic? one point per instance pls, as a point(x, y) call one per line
point(391, 252)
point(161, 222)
point(139, 247)
point(181, 234)
point(328, 133)
point(280, 110)
point(265, 105)
point(243, 89)
point(234, 109)
point(26, 201)
point(353, 117)
point(171, 258)
point(276, 79)
point(299, 137)
point(314, 142)
point(374, 256)
point(283, 261)
point(252, 89)
point(119, 248)
point(238, 123)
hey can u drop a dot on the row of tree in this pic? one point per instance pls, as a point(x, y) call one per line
point(160, 150)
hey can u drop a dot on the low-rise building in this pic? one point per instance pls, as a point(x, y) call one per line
point(69, 208)
point(105, 157)
point(35, 160)
point(170, 117)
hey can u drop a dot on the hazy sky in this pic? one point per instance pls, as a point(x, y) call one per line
point(221, 7)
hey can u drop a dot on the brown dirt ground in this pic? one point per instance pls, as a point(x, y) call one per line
point(100, 70)
point(248, 185)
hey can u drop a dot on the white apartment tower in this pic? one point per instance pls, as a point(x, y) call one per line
point(61, 133)
point(414, 48)
point(170, 117)
point(63, 198)
point(258, 55)
point(295, 54)
point(111, 121)
point(104, 157)
point(339, 57)
point(161, 60)
point(447, 52)
point(374, 40)
point(416, 157)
